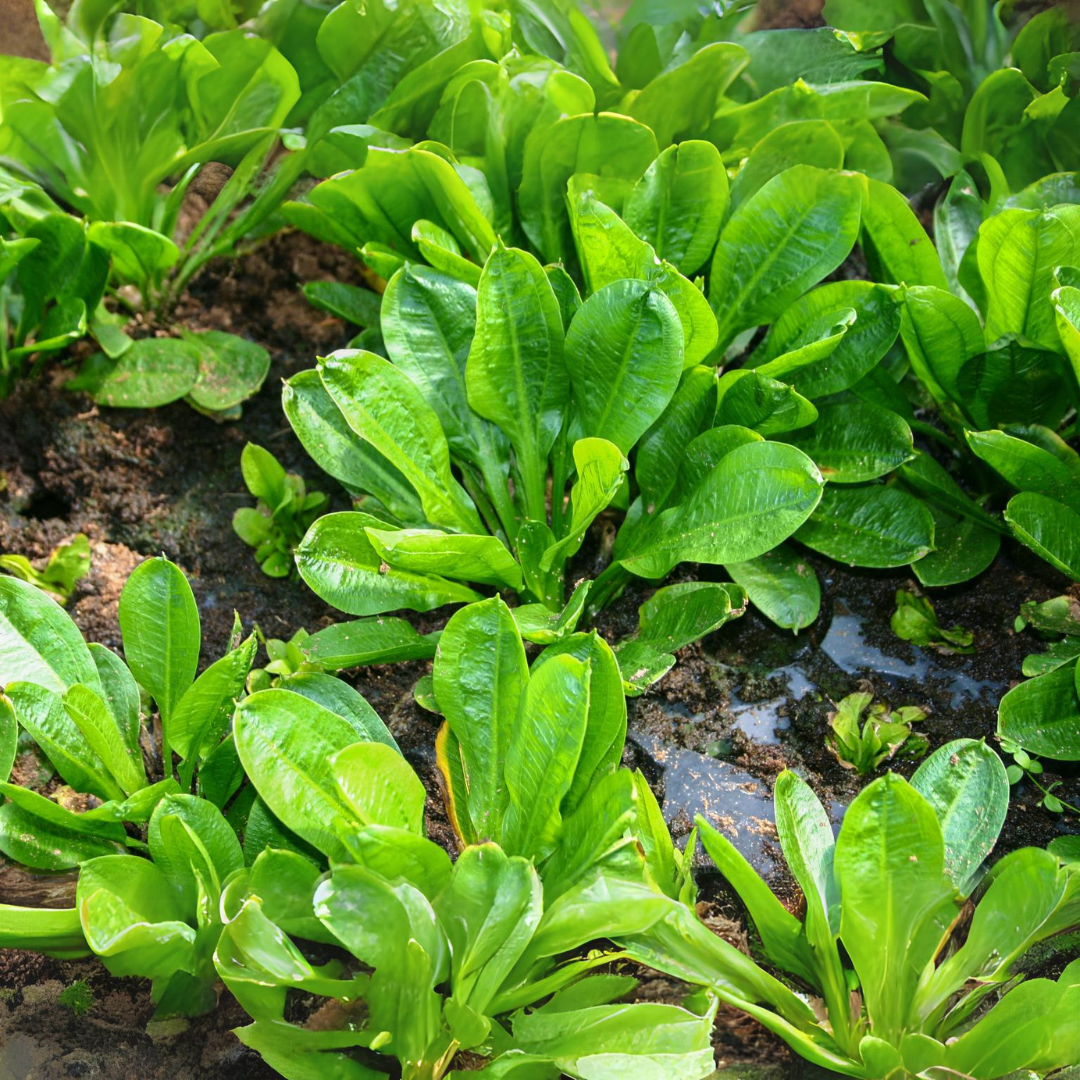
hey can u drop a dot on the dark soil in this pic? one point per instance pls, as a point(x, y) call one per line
point(712, 736)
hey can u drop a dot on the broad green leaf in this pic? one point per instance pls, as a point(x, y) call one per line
point(600, 468)
point(441, 250)
point(159, 622)
point(264, 475)
point(369, 641)
point(515, 375)
point(806, 838)
point(191, 841)
point(871, 525)
point(600, 826)
point(539, 624)
point(662, 448)
point(342, 700)
point(358, 306)
point(757, 496)
point(151, 373)
point(610, 252)
point(482, 559)
point(1043, 715)
point(490, 909)
point(42, 844)
point(678, 205)
point(614, 149)
point(1032, 1026)
point(384, 407)
point(799, 227)
point(765, 405)
point(132, 919)
point(781, 585)
point(681, 102)
point(963, 549)
point(337, 560)
point(38, 641)
point(338, 450)
point(286, 743)
point(479, 676)
point(940, 333)
point(1051, 530)
point(542, 755)
point(798, 142)
point(1015, 383)
point(9, 737)
point(605, 724)
point(927, 477)
point(120, 692)
point(898, 246)
point(624, 354)
point(853, 443)
point(139, 255)
point(41, 712)
point(1017, 253)
point(204, 711)
point(965, 782)
point(1066, 301)
point(889, 861)
point(231, 369)
point(1025, 466)
point(428, 320)
point(379, 786)
point(102, 734)
point(677, 615)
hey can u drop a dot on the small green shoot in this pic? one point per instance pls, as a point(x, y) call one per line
point(285, 658)
point(66, 565)
point(285, 511)
point(1024, 765)
point(864, 736)
point(916, 621)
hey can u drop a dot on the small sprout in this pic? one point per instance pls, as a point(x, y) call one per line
point(1025, 766)
point(285, 658)
point(284, 512)
point(864, 744)
point(916, 621)
point(66, 565)
point(78, 997)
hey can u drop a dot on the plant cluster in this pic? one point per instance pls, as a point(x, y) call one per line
point(298, 863)
point(610, 331)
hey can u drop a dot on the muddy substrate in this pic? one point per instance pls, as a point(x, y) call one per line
point(712, 736)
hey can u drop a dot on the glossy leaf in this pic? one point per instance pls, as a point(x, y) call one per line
point(339, 562)
point(873, 525)
point(782, 585)
point(799, 227)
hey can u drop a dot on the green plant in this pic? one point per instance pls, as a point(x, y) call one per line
point(1024, 766)
point(478, 954)
point(83, 706)
point(916, 621)
point(1055, 621)
point(67, 564)
point(914, 953)
point(882, 736)
point(284, 512)
point(78, 997)
point(993, 82)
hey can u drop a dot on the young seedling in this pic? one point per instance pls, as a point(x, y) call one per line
point(864, 736)
point(66, 565)
point(284, 513)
